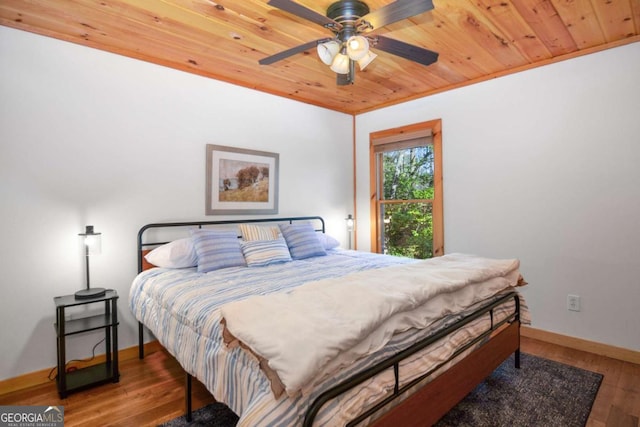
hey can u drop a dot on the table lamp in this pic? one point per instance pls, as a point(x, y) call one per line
point(350, 225)
point(93, 246)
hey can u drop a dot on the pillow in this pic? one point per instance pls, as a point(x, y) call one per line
point(217, 249)
point(177, 254)
point(264, 252)
point(302, 240)
point(251, 232)
point(327, 241)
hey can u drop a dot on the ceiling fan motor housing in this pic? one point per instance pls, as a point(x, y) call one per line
point(347, 12)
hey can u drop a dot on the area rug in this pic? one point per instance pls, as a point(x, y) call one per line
point(541, 393)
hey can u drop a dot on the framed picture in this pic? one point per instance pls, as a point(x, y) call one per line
point(241, 181)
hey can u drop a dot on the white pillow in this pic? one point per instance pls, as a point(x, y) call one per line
point(327, 241)
point(177, 254)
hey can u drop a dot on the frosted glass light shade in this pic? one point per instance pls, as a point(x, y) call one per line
point(350, 222)
point(340, 64)
point(94, 244)
point(92, 241)
point(327, 51)
point(357, 47)
point(366, 60)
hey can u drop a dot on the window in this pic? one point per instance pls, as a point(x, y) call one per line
point(406, 188)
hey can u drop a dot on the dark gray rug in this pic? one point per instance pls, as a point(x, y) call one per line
point(541, 393)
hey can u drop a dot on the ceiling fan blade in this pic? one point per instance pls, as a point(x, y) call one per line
point(405, 50)
point(287, 53)
point(393, 12)
point(304, 12)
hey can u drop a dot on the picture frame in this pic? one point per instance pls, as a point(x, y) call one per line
point(241, 181)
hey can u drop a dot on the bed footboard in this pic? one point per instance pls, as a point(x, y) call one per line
point(437, 397)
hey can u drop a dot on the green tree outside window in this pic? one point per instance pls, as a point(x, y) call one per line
point(406, 206)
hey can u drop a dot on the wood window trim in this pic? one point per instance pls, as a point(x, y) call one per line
point(435, 126)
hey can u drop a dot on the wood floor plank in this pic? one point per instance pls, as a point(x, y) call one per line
point(151, 391)
point(619, 418)
point(616, 389)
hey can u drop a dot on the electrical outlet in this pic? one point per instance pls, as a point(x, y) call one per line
point(573, 302)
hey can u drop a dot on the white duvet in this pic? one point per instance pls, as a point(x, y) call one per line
point(309, 332)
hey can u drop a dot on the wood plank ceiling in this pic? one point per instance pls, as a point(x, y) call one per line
point(223, 40)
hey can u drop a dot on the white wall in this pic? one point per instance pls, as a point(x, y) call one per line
point(87, 137)
point(544, 166)
point(541, 165)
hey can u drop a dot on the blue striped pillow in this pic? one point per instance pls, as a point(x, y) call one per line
point(259, 253)
point(302, 240)
point(217, 249)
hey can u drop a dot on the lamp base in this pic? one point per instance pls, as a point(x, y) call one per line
point(90, 293)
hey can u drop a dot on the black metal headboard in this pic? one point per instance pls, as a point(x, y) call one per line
point(142, 244)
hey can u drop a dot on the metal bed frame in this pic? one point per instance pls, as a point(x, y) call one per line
point(432, 400)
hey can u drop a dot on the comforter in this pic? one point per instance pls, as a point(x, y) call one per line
point(303, 331)
point(182, 308)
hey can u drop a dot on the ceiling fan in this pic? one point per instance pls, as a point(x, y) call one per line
point(351, 21)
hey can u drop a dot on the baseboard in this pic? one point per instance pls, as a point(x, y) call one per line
point(607, 350)
point(42, 377)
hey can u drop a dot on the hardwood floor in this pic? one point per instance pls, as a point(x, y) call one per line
point(151, 391)
point(618, 401)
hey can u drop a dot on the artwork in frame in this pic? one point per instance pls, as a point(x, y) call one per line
point(241, 181)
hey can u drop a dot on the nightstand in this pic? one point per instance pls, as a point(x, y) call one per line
point(107, 319)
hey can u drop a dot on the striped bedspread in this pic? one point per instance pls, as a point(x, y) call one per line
point(182, 309)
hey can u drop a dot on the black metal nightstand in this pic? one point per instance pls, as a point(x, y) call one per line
point(107, 320)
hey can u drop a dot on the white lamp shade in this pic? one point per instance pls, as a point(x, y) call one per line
point(357, 47)
point(327, 51)
point(366, 60)
point(340, 64)
point(350, 222)
point(93, 243)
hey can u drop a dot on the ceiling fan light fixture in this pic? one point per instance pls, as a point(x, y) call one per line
point(328, 50)
point(366, 60)
point(357, 47)
point(340, 64)
point(350, 21)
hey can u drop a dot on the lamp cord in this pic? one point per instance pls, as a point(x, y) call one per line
point(93, 356)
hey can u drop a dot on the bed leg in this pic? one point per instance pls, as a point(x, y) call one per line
point(517, 354)
point(140, 341)
point(187, 398)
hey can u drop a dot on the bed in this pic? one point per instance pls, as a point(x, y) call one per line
point(409, 367)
